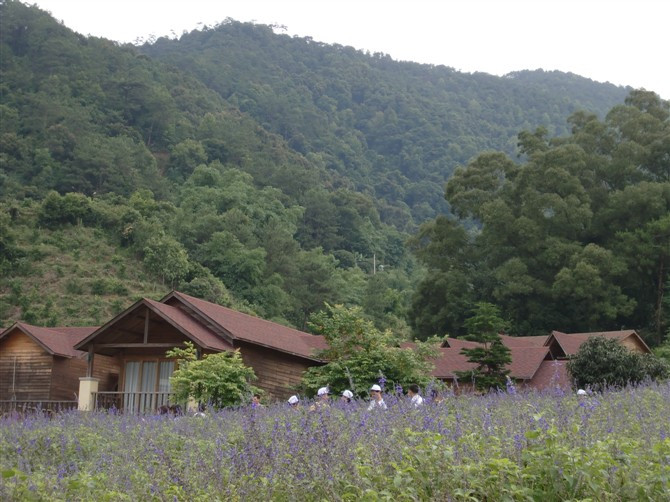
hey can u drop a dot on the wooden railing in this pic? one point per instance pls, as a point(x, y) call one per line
point(36, 406)
point(132, 402)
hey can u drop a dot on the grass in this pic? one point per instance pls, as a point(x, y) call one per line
point(70, 276)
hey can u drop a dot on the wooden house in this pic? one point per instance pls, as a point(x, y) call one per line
point(138, 338)
point(40, 365)
point(538, 362)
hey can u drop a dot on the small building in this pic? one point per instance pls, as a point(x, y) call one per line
point(538, 362)
point(531, 367)
point(139, 337)
point(568, 344)
point(40, 365)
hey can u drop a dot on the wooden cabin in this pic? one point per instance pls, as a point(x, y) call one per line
point(40, 365)
point(538, 362)
point(138, 339)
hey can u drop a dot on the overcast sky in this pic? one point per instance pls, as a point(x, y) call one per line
point(625, 42)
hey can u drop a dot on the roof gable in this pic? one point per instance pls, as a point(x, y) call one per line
point(57, 341)
point(181, 321)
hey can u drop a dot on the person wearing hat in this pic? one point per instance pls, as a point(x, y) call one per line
point(323, 394)
point(413, 393)
point(377, 400)
point(293, 401)
point(347, 396)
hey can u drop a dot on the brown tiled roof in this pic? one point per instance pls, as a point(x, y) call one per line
point(526, 361)
point(524, 365)
point(180, 319)
point(551, 374)
point(58, 341)
point(570, 342)
point(255, 330)
point(524, 341)
point(459, 343)
point(449, 362)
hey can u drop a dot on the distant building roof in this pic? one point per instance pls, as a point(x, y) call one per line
point(571, 342)
point(459, 343)
point(59, 341)
point(524, 365)
point(524, 341)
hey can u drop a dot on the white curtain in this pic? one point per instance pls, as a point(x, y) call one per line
point(149, 369)
point(131, 385)
point(166, 369)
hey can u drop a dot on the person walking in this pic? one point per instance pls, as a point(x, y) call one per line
point(323, 396)
point(377, 400)
point(347, 396)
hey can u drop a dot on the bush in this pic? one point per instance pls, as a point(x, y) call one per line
point(604, 362)
point(217, 379)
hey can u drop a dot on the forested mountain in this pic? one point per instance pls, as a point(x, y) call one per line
point(395, 129)
point(266, 172)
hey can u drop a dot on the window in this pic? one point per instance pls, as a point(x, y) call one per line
point(147, 384)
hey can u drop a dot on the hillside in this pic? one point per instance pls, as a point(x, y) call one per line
point(271, 173)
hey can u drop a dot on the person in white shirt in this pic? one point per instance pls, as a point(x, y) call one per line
point(413, 393)
point(377, 401)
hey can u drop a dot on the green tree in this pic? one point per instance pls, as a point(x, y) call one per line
point(604, 362)
point(166, 258)
point(485, 327)
point(359, 354)
point(219, 379)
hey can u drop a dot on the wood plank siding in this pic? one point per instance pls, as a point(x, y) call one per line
point(66, 373)
point(278, 373)
point(25, 367)
point(633, 344)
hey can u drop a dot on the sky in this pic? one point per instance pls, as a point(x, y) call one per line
point(624, 42)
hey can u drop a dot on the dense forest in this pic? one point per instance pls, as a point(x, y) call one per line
point(274, 173)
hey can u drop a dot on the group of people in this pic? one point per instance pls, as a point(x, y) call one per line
point(376, 398)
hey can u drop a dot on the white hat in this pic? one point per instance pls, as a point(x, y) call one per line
point(376, 387)
point(581, 392)
point(293, 400)
point(322, 391)
point(348, 394)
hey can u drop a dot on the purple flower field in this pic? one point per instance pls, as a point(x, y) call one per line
point(522, 446)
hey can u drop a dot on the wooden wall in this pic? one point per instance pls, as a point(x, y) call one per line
point(66, 373)
point(33, 368)
point(633, 344)
point(277, 372)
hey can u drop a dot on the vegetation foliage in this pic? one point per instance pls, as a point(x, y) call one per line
point(603, 362)
point(273, 173)
point(485, 327)
point(359, 354)
point(554, 447)
point(217, 380)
